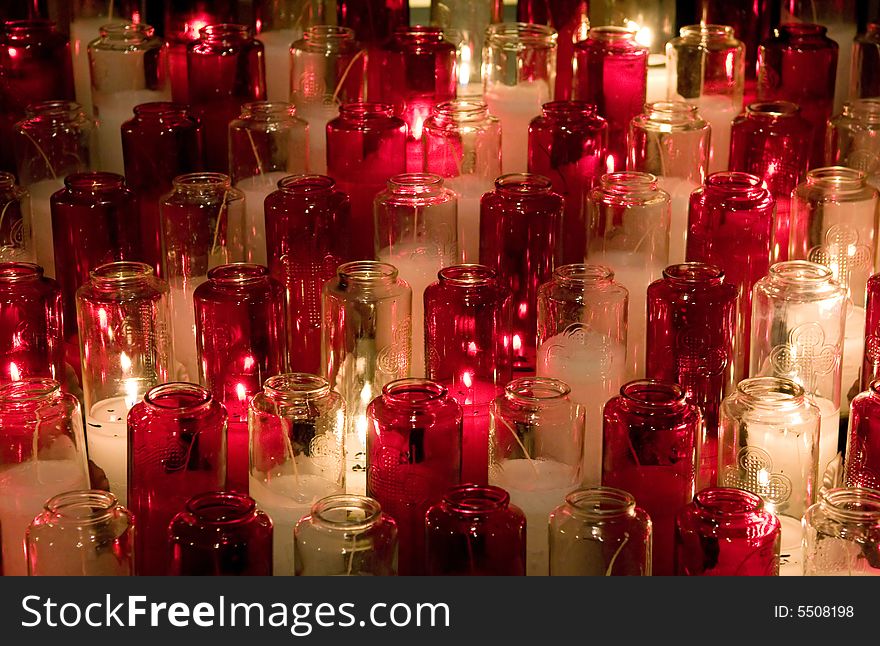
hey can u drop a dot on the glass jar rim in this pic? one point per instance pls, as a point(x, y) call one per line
point(463, 109)
point(694, 273)
point(521, 35)
point(14, 27)
point(160, 397)
point(161, 108)
point(728, 502)
point(857, 504)
point(839, 177)
point(346, 504)
point(121, 272)
point(775, 109)
point(803, 29)
point(82, 507)
point(570, 108)
point(202, 181)
point(28, 390)
point(415, 183)
point(707, 31)
point(612, 33)
point(129, 31)
point(652, 393)
point(410, 392)
point(306, 183)
point(238, 274)
point(296, 385)
point(467, 275)
point(583, 274)
point(221, 508)
point(629, 181)
point(601, 502)
point(94, 181)
point(523, 184)
point(537, 389)
point(366, 271)
point(365, 110)
point(769, 392)
point(268, 110)
point(800, 273)
point(474, 500)
point(867, 109)
point(54, 108)
point(19, 271)
point(328, 32)
point(222, 30)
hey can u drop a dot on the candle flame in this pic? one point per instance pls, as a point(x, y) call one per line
point(14, 372)
point(466, 379)
point(472, 349)
point(517, 343)
point(131, 393)
point(240, 392)
point(102, 318)
point(124, 362)
point(361, 429)
point(249, 363)
point(464, 69)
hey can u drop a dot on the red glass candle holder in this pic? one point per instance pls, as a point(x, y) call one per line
point(366, 146)
point(221, 534)
point(862, 465)
point(475, 531)
point(690, 341)
point(651, 439)
point(612, 73)
point(176, 449)
point(521, 240)
point(871, 358)
point(568, 145)
point(226, 69)
point(413, 458)
point(373, 21)
point(731, 225)
point(727, 532)
point(31, 340)
point(467, 319)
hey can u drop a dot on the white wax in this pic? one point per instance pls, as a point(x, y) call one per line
point(41, 222)
point(107, 437)
point(112, 110)
point(25, 488)
point(183, 329)
point(469, 189)
point(317, 114)
point(537, 487)
point(593, 366)
point(82, 32)
point(657, 81)
point(720, 112)
point(515, 106)
point(791, 547)
point(287, 499)
point(853, 351)
point(829, 430)
point(680, 193)
point(277, 45)
point(255, 190)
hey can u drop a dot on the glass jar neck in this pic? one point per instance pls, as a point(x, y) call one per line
point(418, 35)
point(581, 275)
point(709, 34)
point(693, 274)
point(519, 36)
point(346, 513)
point(177, 399)
point(654, 396)
point(837, 179)
point(736, 185)
point(82, 508)
point(467, 276)
point(771, 110)
point(723, 503)
point(629, 184)
point(851, 505)
point(306, 185)
point(416, 185)
point(475, 500)
point(366, 272)
point(56, 111)
point(295, 387)
point(238, 276)
point(609, 34)
point(225, 34)
point(362, 113)
point(27, 29)
point(673, 113)
point(535, 391)
point(601, 504)
point(771, 393)
point(126, 33)
point(268, 111)
point(221, 509)
point(116, 275)
point(864, 110)
point(160, 111)
point(29, 394)
point(93, 183)
point(569, 111)
point(328, 37)
point(801, 276)
point(803, 32)
point(520, 185)
point(413, 394)
point(19, 272)
point(202, 183)
point(460, 111)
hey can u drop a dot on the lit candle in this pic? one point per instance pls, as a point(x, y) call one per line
point(317, 114)
point(255, 190)
point(277, 48)
point(515, 106)
point(720, 112)
point(41, 222)
point(82, 32)
point(469, 189)
point(474, 397)
point(680, 193)
point(183, 317)
point(107, 437)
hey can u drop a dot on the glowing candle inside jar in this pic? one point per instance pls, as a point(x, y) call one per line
point(317, 114)
point(255, 190)
point(41, 222)
point(474, 396)
point(277, 50)
point(515, 106)
point(469, 189)
point(680, 194)
point(720, 112)
point(183, 331)
point(107, 438)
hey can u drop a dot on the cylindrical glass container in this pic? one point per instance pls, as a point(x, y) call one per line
point(162, 141)
point(842, 534)
point(519, 74)
point(670, 140)
point(853, 136)
point(346, 535)
point(628, 231)
point(731, 225)
point(536, 447)
point(582, 315)
point(128, 67)
point(521, 241)
point(373, 21)
point(226, 69)
point(297, 429)
point(366, 146)
point(799, 64)
point(463, 145)
point(650, 446)
point(600, 532)
point(267, 142)
point(862, 466)
point(690, 341)
point(220, 533)
point(469, 20)
point(706, 68)
point(864, 80)
point(467, 318)
point(771, 140)
point(81, 533)
point(43, 455)
point(475, 531)
point(798, 333)
point(91, 226)
point(612, 73)
point(31, 338)
point(303, 220)
point(176, 449)
point(202, 226)
point(413, 458)
point(568, 145)
point(125, 345)
point(53, 142)
point(726, 532)
point(16, 243)
point(240, 343)
point(871, 355)
point(769, 445)
point(416, 231)
point(365, 344)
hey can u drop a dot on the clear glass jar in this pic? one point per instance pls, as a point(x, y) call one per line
point(519, 75)
point(346, 535)
point(582, 328)
point(842, 534)
point(81, 533)
point(365, 344)
point(297, 426)
point(853, 136)
point(600, 532)
point(16, 240)
point(469, 20)
point(416, 231)
point(628, 231)
point(571, 20)
point(536, 447)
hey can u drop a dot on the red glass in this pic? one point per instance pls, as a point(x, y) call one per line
point(304, 219)
point(568, 144)
point(31, 342)
point(871, 359)
point(799, 64)
point(727, 532)
point(690, 341)
point(521, 240)
point(862, 465)
point(176, 449)
point(240, 342)
point(92, 224)
point(612, 72)
point(467, 319)
point(475, 531)
point(731, 225)
point(221, 534)
point(865, 79)
point(570, 19)
point(35, 66)
point(771, 140)
point(373, 21)
point(226, 69)
point(366, 146)
point(650, 445)
point(162, 141)
point(413, 458)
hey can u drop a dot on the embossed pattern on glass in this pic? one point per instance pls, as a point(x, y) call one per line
point(842, 536)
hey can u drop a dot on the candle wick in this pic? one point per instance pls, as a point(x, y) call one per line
point(521, 446)
point(42, 154)
point(345, 73)
point(617, 553)
point(220, 215)
point(254, 149)
point(285, 433)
